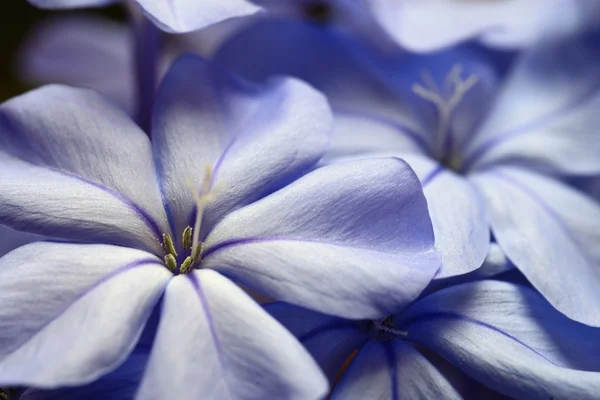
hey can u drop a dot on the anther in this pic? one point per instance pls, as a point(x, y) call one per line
point(169, 245)
point(187, 264)
point(187, 238)
point(171, 263)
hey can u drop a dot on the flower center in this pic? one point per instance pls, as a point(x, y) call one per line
point(190, 238)
point(445, 100)
point(384, 330)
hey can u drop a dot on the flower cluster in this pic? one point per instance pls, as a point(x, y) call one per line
point(299, 199)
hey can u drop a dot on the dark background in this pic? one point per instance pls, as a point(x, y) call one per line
point(17, 20)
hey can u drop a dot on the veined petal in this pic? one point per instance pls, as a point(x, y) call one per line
point(330, 340)
point(546, 114)
point(121, 384)
point(392, 370)
point(70, 313)
point(60, 4)
point(352, 239)
point(82, 51)
point(509, 338)
point(551, 233)
point(215, 342)
point(257, 138)
point(179, 16)
point(52, 203)
point(77, 132)
point(460, 224)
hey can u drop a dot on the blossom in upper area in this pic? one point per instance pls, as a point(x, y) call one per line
point(428, 25)
point(488, 148)
point(500, 334)
point(226, 190)
point(176, 16)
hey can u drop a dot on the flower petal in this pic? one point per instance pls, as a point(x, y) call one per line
point(510, 339)
point(352, 239)
point(257, 138)
point(70, 313)
point(215, 342)
point(10, 239)
point(546, 116)
point(429, 25)
point(121, 384)
point(81, 51)
point(78, 133)
point(60, 4)
point(392, 370)
point(179, 16)
point(551, 233)
point(460, 225)
point(330, 340)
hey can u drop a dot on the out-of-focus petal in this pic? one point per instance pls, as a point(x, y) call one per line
point(551, 233)
point(509, 338)
point(257, 139)
point(180, 16)
point(11, 239)
point(546, 116)
point(352, 239)
point(460, 224)
point(62, 4)
point(82, 51)
point(215, 342)
point(70, 313)
point(392, 370)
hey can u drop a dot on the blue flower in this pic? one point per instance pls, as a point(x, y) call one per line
point(171, 16)
point(503, 335)
point(133, 219)
point(489, 150)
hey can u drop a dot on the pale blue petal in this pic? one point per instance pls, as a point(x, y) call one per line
point(256, 139)
point(510, 339)
point(179, 16)
point(75, 135)
point(551, 233)
point(330, 340)
point(60, 4)
point(120, 384)
point(70, 313)
point(82, 51)
point(215, 342)
point(395, 371)
point(460, 224)
point(546, 116)
point(352, 239)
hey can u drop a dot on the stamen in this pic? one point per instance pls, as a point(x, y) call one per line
point(187, 238)
point(445, 105)
point(171, 263)
point(169, 245)
point(386, 325)
point(187, 264)
point(197, 256)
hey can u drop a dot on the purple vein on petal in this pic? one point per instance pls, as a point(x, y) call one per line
point(98, 283)
point(549, 118)
point(139, 211)
point(538, 200)
point(391, 361)
point(434, 172)
point(333, 326)
point(463, 318)
point(195, 282)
